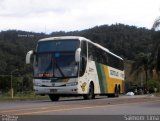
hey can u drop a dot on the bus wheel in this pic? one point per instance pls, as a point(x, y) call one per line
point(54, 97)
point(90, 94)
point(116, 93)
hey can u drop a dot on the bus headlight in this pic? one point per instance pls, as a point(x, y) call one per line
point(72, 84)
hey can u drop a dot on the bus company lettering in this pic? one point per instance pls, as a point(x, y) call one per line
point(114, 73)
point(91, 69)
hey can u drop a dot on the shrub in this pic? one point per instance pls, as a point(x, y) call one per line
point(153, 84)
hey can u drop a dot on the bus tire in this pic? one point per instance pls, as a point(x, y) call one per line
point(54, 97)
point(115, 94)
point(90, 94)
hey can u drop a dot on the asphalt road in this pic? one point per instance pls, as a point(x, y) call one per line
point(124, 105)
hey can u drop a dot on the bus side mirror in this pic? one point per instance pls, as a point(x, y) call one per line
point(77, 55)
point(28, 57)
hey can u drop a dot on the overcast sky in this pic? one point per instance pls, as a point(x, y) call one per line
point(70, 15)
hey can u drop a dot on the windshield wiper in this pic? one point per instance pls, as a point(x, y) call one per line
point(59, 68)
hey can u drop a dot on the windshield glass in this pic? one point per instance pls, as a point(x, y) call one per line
point(59, 64)
point(57, 45)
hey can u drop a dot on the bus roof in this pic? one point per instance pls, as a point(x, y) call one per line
point(63, 38)
point(79, 38)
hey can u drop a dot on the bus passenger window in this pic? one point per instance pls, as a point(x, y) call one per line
point(83, 65)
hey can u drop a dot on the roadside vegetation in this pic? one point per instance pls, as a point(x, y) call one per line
point(138, 46)
point(20, 96)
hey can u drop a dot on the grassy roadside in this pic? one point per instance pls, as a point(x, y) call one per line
point(157, 94)
point(32, 96)
point(22, 97)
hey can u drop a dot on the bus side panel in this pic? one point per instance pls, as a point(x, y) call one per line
point(93, 76)
point(102, 78)
point(83, 84)
point(107, 79)
point(114, 77)
point(89, 75)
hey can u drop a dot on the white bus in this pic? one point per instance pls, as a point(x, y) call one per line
point(72, 65)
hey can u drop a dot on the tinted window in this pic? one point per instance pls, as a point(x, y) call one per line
point(98, 55)
point(83, 62)
point(115, 62)
point(57, 45)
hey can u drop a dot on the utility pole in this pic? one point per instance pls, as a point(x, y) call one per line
point(12, 91)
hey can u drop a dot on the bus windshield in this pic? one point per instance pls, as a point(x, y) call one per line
point(58, 46)
point(56, 62)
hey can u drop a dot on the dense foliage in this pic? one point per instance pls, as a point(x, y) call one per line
point(126, 41)
point(13, 48)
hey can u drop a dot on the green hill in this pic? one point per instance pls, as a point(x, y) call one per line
point(126, 41)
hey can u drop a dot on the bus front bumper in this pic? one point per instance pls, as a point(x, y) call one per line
point(56, 90)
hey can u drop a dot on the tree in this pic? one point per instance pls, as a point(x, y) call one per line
point(156, 23)
point(140, 64)
point(158, 61)
point(156, 51)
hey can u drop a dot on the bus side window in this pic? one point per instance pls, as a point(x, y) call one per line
point(105, 58)
point(91, 52)
point(83, 65)
point(90, 57)
point(83, 61)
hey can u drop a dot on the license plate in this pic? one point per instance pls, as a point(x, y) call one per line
point(53, 90)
